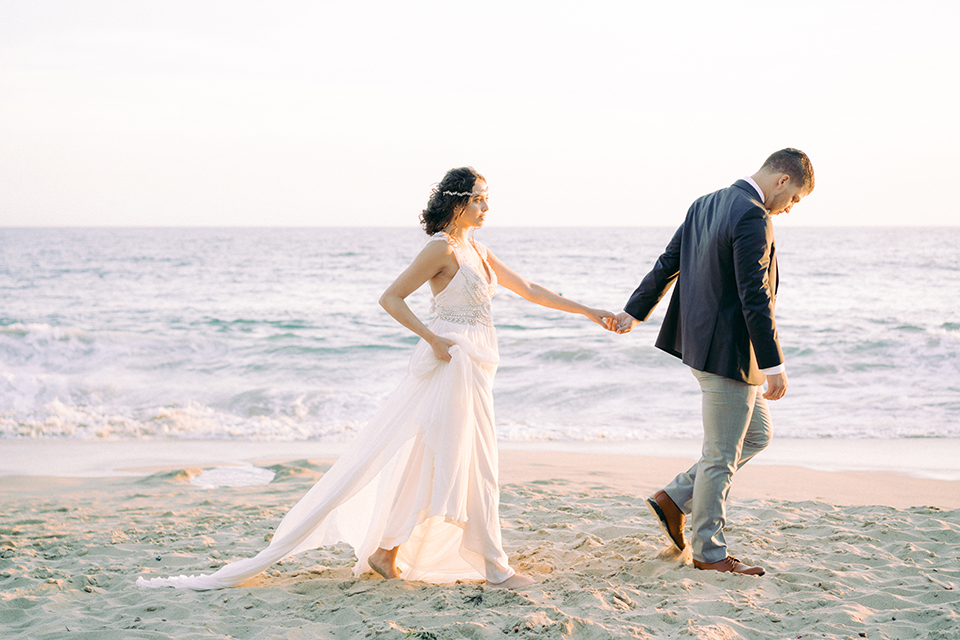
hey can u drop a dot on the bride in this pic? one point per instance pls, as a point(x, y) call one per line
point(416, 494)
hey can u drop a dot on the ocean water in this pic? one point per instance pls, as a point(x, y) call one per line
point(276, 334)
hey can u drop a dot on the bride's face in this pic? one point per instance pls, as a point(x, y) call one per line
point(476, 210)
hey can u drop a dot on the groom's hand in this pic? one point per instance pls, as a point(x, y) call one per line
point(776, 386)
point(626, 322)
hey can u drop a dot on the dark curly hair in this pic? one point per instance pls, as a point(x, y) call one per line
point(443, 209)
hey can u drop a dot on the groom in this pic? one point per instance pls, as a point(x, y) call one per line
point(720, 322)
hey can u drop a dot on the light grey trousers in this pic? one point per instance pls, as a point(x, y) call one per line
point(736, 427)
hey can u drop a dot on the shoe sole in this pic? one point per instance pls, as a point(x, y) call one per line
point(662, 521)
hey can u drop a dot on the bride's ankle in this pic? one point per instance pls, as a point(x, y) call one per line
point(382, 562)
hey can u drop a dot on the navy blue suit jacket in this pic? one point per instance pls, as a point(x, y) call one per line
point(720, 317)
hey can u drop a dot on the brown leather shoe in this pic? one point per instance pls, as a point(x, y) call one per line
point(669, 516)
point(731, 565)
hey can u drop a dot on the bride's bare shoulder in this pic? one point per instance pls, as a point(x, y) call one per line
point(438, 244)
point(437, 252)
point(439, 238)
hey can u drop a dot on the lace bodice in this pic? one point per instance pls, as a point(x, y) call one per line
point(467, 297)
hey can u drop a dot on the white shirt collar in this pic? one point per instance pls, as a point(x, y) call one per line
point(755, 186)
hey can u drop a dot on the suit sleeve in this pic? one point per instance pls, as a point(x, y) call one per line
point(752, 254)
point(655, 284)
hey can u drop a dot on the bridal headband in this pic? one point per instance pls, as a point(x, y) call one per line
point(461, 193)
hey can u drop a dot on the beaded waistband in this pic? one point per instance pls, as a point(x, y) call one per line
point(465, 315)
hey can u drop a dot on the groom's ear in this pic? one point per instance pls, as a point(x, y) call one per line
point(783, 180)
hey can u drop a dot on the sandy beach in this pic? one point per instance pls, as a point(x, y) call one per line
point(849, 554)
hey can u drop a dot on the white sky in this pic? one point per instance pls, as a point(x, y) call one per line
point(185, 112)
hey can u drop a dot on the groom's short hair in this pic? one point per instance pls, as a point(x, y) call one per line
point(792, 162)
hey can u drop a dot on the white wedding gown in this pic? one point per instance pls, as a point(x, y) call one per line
point(423, 473)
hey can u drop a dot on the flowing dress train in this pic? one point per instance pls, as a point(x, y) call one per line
point(423, 473)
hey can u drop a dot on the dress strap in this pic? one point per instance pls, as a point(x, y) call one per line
point(481, 250)
point(442, 236)
point(438, 237)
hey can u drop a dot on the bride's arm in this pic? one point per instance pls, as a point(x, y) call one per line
point(432, 261)
point(544, 297)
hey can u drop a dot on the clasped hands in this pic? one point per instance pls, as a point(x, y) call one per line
point(623, 322)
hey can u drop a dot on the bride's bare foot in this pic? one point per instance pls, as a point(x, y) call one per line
point(384, 562)
point(516, 581)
